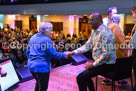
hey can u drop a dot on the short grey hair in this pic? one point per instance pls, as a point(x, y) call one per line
point(43, 27)
point(116, 18)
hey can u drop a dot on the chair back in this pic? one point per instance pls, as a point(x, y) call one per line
point(123, 68)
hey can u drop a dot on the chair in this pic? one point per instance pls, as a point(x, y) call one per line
point(122, 70)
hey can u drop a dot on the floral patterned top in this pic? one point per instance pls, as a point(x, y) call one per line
point(102, 43)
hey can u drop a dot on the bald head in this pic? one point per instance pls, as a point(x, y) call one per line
point(95, 20)
point(97, 16)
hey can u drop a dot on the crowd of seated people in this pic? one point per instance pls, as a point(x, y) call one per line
point(68, 42)
point(13, 44)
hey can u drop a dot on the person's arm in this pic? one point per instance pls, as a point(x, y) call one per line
point(28, 49)
point(133, 40)
point(52, 51)
point(86, 47)
point(133, 30)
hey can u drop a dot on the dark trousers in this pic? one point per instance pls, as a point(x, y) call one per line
point(84, 79)
point(42, 80)
point(134, 66)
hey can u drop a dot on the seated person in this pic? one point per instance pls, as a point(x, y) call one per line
point(104, 56)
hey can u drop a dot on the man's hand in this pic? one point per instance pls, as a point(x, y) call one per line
point(68, 54)
point(3, 72)
point(89, 64)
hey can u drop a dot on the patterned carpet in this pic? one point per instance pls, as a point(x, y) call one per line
point(64, 79)
point(61, 79)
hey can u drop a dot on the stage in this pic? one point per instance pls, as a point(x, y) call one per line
point(64, 79)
